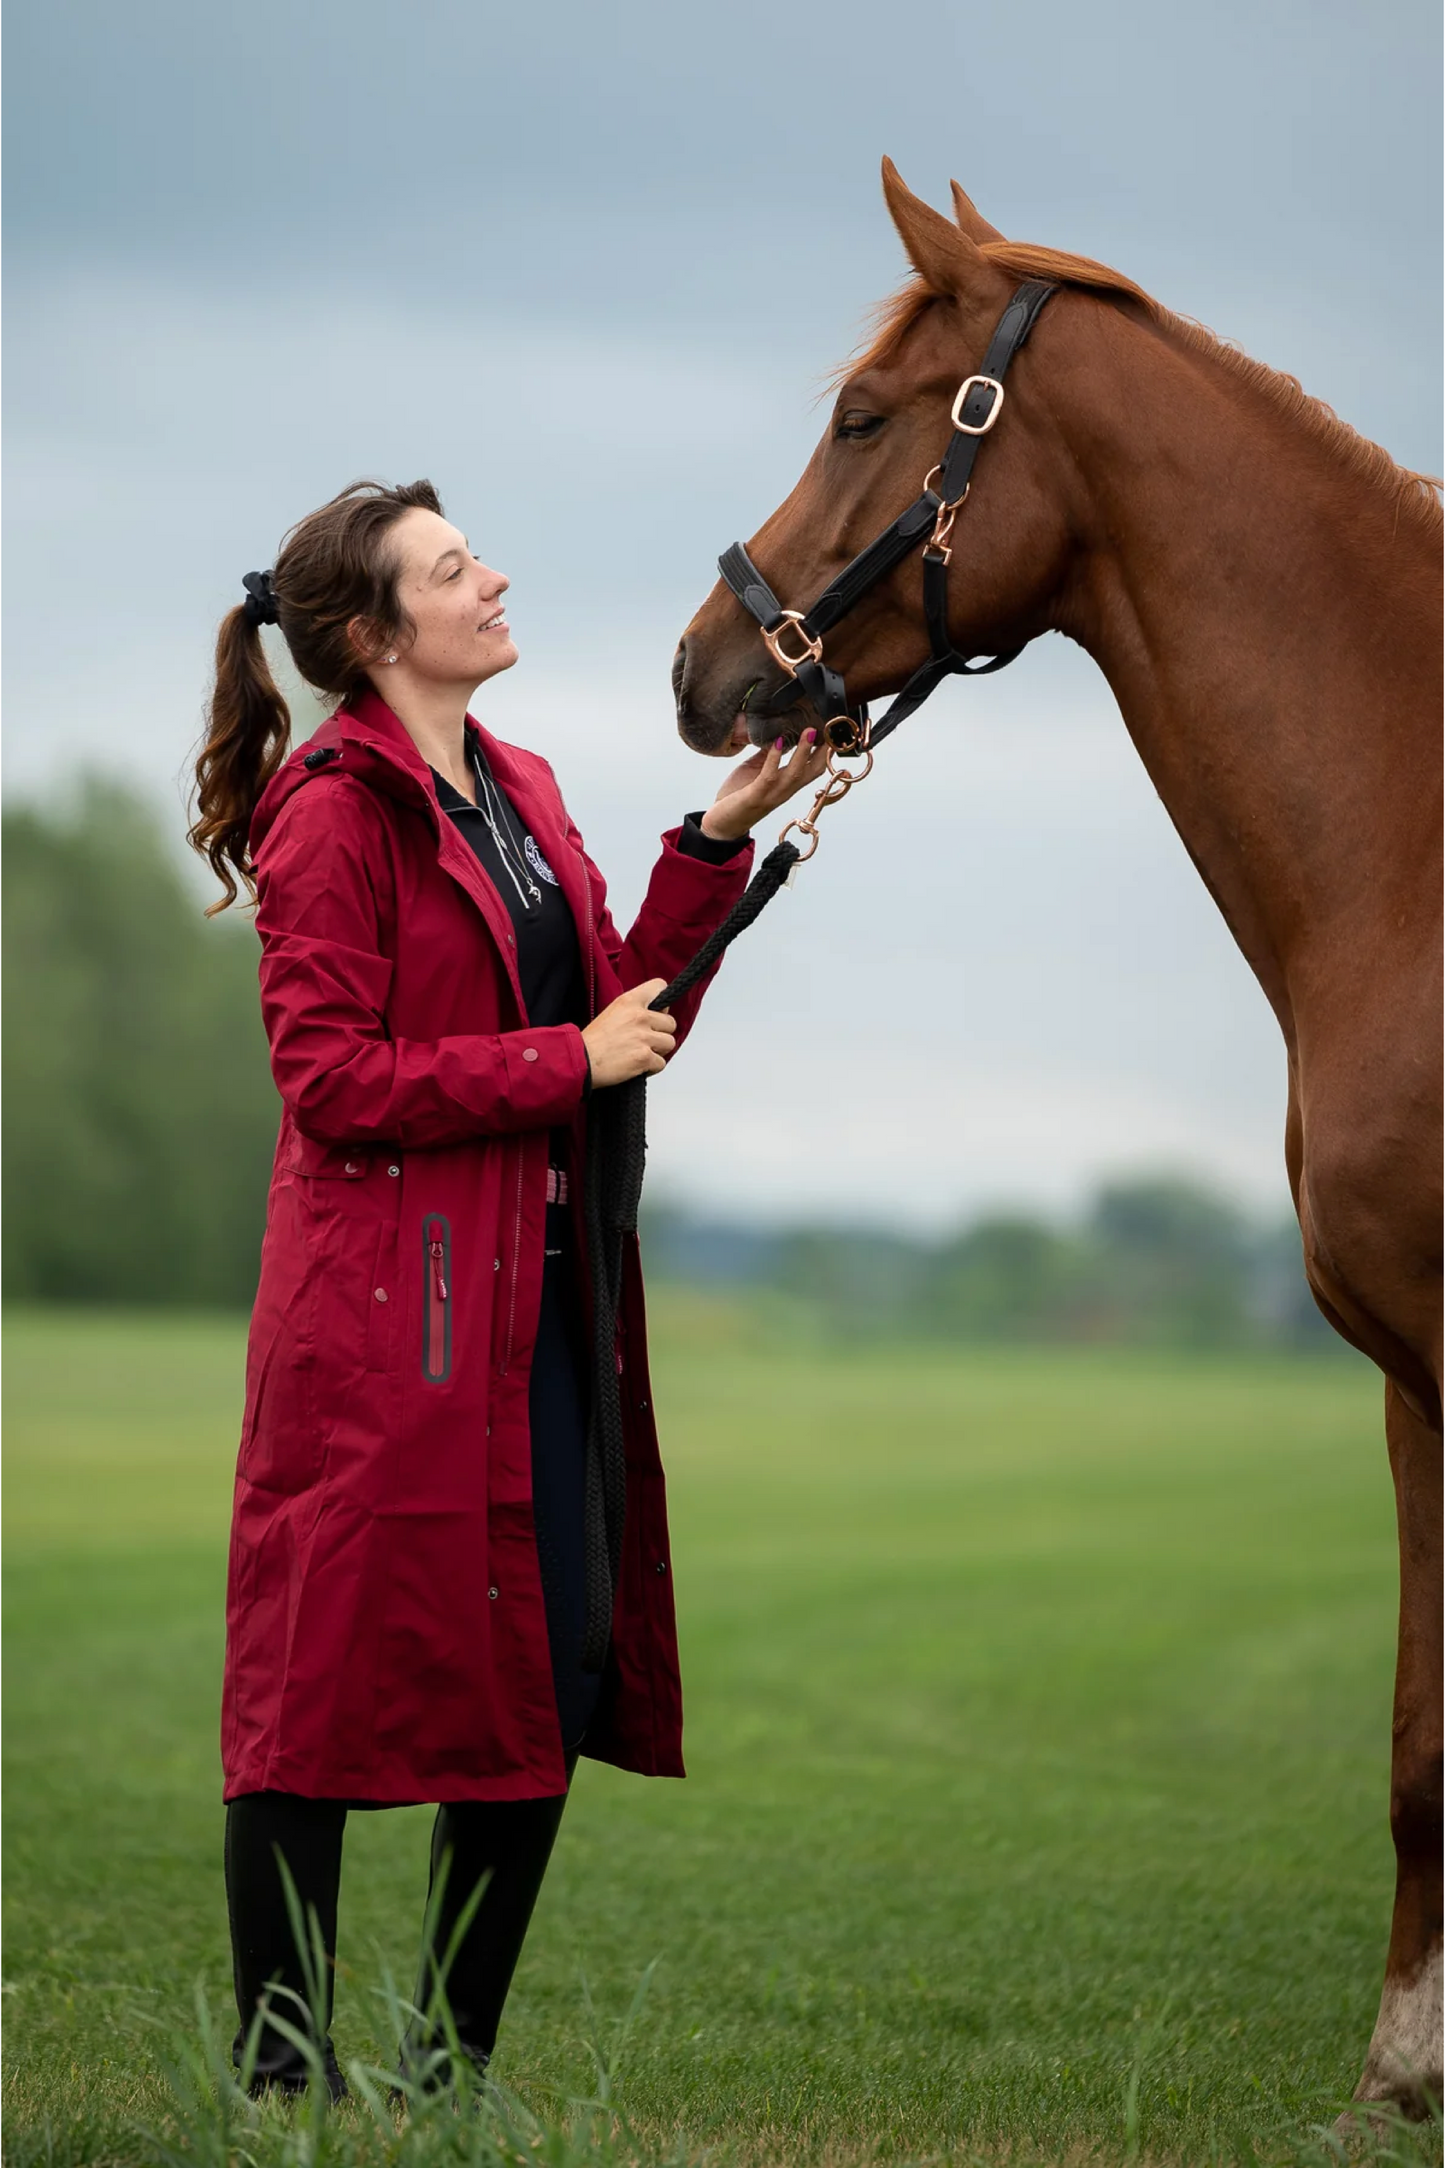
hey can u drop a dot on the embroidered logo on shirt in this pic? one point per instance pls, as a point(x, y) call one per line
point(537, 862)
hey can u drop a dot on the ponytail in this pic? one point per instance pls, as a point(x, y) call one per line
point(248, 734)
point(335, 566)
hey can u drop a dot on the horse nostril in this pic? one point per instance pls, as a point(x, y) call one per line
point(679, 669)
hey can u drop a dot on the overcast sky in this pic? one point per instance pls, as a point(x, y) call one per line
point(585, 268)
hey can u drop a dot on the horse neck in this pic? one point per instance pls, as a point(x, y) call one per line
point(1265, 617)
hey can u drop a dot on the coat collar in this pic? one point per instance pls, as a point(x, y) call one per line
point(373, 746)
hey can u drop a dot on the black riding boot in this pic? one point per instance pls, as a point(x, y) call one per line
point(307, 1833)
point(507, 1842)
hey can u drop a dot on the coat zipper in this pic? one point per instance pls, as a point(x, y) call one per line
point(436, 1310)
point(516, 1261)
point(588, 937)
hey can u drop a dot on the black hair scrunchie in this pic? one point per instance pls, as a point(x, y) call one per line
point(260, 603)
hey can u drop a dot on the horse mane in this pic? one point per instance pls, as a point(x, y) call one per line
point(1367, 461)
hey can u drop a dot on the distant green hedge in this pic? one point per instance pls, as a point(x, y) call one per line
point(140, 1118)
point(1154, 1261)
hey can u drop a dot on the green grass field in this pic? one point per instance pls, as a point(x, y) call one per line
point(1038, 1723)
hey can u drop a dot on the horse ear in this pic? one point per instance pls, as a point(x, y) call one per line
point(970, 219)
point(946, 260)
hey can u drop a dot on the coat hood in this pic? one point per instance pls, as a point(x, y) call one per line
point(364, 742)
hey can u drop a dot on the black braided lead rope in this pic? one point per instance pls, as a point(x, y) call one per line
point(616, 1157)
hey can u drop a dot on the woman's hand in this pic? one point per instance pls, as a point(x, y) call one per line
point(628, 1039)
point(760, 785)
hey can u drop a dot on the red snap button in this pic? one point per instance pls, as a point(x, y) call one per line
point(529, 1053)
point(352, 1167)
point(381, 1294)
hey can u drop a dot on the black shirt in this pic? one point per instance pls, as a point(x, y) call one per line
point(549, 961)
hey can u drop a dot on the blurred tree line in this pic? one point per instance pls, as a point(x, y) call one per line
point(141, 1119)
point(1153, 1262)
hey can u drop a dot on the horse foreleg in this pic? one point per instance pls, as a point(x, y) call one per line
point(1403, 2064)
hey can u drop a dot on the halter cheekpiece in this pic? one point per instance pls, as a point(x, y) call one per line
point(794, 638)
point(260, 603)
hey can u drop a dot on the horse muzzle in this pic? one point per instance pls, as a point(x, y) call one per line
point(724, 709)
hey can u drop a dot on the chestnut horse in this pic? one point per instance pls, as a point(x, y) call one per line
point(1260, 587)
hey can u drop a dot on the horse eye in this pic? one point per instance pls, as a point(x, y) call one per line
point(857, 423)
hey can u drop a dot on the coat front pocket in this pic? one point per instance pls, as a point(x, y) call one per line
point(436, 1299)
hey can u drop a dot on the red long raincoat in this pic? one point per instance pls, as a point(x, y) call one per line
point(386, 1637)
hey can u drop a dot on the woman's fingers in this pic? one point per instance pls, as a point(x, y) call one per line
point(764, 781)
point(628, 1038)
point(804, 765)
point(661, 1038)
point(659, 1028)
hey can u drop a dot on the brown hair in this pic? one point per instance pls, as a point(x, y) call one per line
point(333, 566)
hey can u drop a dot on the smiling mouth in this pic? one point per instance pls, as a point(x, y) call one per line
point(495, 624)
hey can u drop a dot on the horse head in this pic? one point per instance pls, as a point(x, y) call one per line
point(1012, 542)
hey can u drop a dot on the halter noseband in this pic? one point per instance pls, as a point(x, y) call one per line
point(794, 638)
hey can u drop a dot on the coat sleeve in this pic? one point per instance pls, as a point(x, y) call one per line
point(687, 899)
point(325, 978)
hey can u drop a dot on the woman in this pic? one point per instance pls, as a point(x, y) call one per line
point(442, 987)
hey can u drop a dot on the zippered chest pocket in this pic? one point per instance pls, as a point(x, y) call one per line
point(436, 1299)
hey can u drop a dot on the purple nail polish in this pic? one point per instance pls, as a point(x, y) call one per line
point(777, 745)
point(812, 734)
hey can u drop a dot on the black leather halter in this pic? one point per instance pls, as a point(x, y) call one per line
point(794, 638)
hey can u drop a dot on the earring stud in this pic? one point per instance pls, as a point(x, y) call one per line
point(391, 658)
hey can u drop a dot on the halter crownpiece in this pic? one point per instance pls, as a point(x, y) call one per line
point(794, 638)
point(260, 603)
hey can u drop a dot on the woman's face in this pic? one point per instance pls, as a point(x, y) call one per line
point(455, 602)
